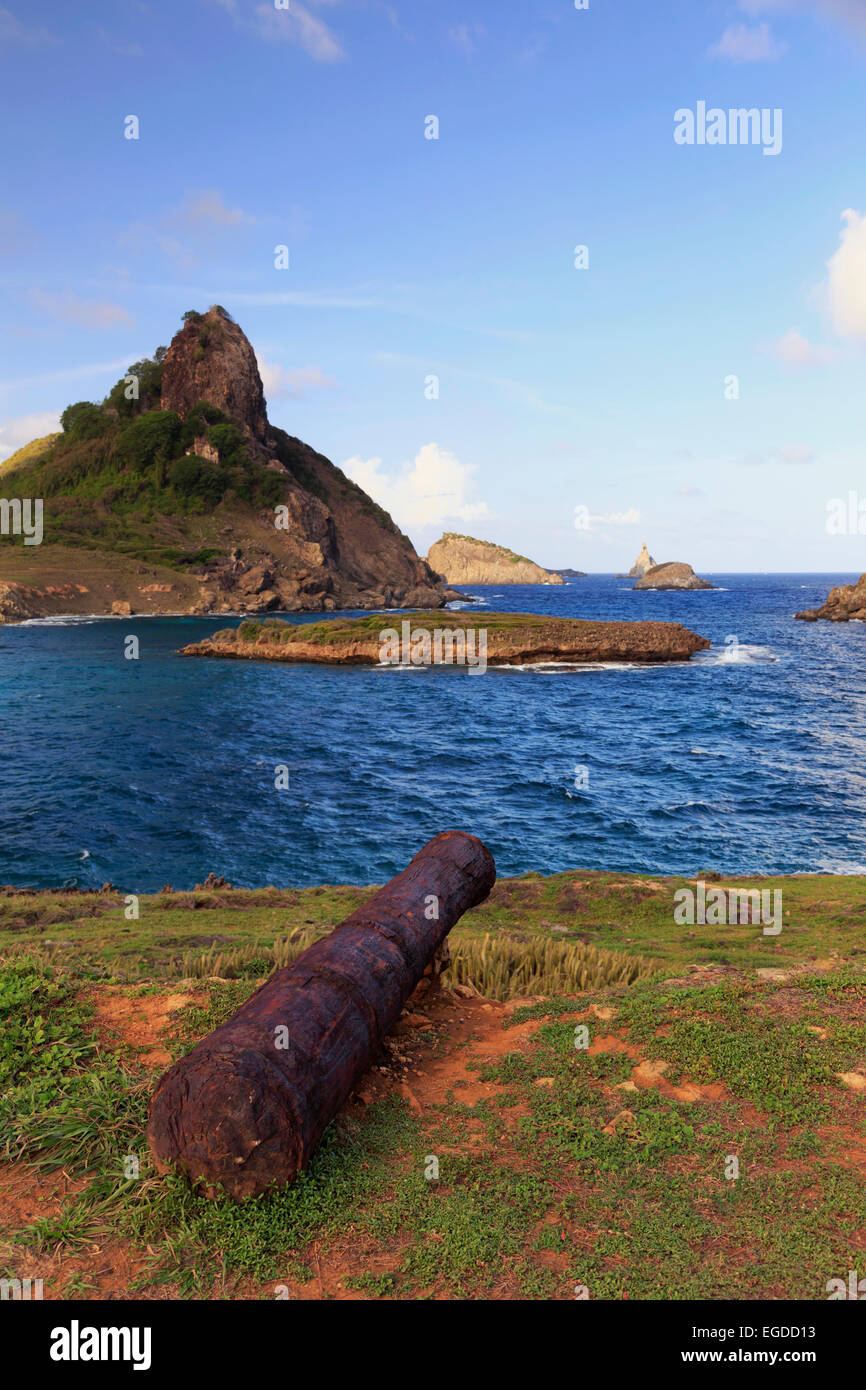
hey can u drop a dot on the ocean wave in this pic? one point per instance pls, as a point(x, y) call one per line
point(677, 809)
point(563, 667)
point(68, 619)
point(746, 654)
point(393, 666)
point(65, 621)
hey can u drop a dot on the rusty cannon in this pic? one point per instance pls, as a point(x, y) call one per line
point(244, 1110)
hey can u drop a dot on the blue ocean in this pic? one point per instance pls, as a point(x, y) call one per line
point(748, 760)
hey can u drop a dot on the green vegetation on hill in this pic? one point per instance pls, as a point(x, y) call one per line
point(498, 552)
point(35, 449)
point(176, 475)
point(338, 631)
point(119, 469)
point(116, 467)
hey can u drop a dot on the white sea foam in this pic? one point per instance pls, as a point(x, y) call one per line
point(67, 619)
point(561, 667)
point(745, 654)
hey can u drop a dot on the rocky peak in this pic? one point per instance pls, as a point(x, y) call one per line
point(211, 359)
point(643, 563)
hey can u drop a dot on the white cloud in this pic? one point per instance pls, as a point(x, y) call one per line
point(795, 350)
point(850, 13)
point(741, 44)
point(86, 313)
point(203, 215)
point(63, 374)
point(846, 281)
point(465, 37)
point(13, 31)
point(796, 453)
point(297, 25)
point(793, 453)
point(125, 50)
point(208, 206)
point(293, 381)
point(16, 432)
point(629, 518)
point(431, 490)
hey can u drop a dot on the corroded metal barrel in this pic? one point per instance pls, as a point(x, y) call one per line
point(244, 1110)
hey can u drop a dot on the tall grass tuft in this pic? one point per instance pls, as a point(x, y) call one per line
point(503, 968)
point(248, 960)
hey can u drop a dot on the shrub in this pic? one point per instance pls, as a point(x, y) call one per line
point(270, 488)
point(197, 420)
point(151, 438)
point(228, 441)
point(84, 420)
point(149, 374)
point(191, 477)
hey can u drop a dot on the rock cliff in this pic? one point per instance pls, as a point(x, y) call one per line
point(211, 359)
point(842, 604)
point(465, 560)
point(672, 575)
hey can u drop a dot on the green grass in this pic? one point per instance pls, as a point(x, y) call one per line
point(186, 932)
point(543, 1185)
point(335, 632)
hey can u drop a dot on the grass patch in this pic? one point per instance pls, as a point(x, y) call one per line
point(554, 1178)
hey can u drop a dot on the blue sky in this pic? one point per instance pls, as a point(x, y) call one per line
point(601, 388)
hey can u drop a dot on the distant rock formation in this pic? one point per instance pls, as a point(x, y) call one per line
point(643, 563)
point(465, 560)
point(842, 604)
point(673, 574)
point(569, 574)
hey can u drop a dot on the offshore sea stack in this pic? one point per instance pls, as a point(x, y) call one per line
point(844, 604)
point(643, 563)
point(672, 575)
point(466, 560)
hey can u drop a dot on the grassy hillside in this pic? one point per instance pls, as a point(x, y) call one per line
point(605, 1168)
point(494, 551)
point(34, 450)
point(126, 484)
